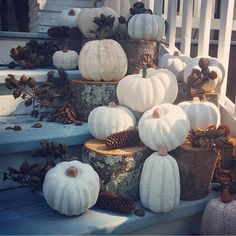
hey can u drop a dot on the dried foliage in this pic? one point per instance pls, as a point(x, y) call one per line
point(145, 60)
point(64, 32)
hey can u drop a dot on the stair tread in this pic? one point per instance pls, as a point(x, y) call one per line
point(28, 138)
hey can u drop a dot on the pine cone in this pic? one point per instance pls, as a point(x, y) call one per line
point(113, 202)
point(122, 139)
point(66, 114)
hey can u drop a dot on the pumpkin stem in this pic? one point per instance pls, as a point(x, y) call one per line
point(95, 2)
point(163, 150)
point(72, 171)
point(157, 113)
point(176, 53)
point(112, 104)
point(144, 71)
point(71, 12)
point(196, 100)
point(226, 196)
point(65, 49)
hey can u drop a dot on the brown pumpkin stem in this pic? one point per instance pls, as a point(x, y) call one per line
point(157, 113)
point(71, 12)
point(72, 171)
point(163, 150)
point(144, 71)
point(112, 104)
point(65, 49)
point(176, 53)
point(196, 100)
point(226, 196)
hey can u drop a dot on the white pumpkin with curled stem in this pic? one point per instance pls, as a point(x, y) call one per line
point(165, 123)
point(175, 63)
point(160, 182)
point(201, 114)
point(104, 121)
point(141, 92)
point(68, 17)
point(71, 188)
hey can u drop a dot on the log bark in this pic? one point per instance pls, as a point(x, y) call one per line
point(120, 169)
point(184, 93)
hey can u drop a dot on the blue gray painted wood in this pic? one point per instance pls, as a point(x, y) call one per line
point(28, 138)
point(22, 212)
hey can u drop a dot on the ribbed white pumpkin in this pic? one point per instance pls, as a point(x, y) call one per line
point(106, 120)
point(103, 60)
point(146, 27)
point(68, 193)
point(65, 59)
point(214, 65)
point(140, 93)
point(68, 17)
point(164, 123)
point(201, 114)
point(175, 63)
point(86, 17)
point(160, 183)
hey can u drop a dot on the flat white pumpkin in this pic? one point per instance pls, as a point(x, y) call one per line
point(201, 114)
point(68, 17)
point(71, 188)
point(106, 120)
point(141, 93)
point(165, 123)
point(103, 60)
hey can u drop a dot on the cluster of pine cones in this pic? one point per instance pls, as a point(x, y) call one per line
point(139, 8)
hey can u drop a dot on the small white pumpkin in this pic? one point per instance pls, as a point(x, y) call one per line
point(175, 63)
point(106, 120)
point(68, 17)
point(146, 27)
point(141, 92)
point(201, 114)
point(214, 65)
point(164, 123)
point(160, 182)
point(103, 60)
point(87, 15)
point(71, 188)
point(65, 59)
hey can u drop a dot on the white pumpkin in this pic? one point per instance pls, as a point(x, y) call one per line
point(71, 188)
point(103, 60)
point(86, 17)
point(68, 17)
point(106, 120)
point(141, 92)
point(160, 182)
point(175, 63)
point(164, 123)
point(201, 114)
point(65, 59)
point(214, 65)
point(146, 27)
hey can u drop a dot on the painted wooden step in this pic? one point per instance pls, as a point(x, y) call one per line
point(22, 212)
point(28, 138)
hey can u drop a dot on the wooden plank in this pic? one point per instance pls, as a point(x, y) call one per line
point(114, 4)
point(158, 5)
point(46, 18)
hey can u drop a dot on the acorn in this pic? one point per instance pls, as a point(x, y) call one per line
point(31, 82)
point(203, 63)
point(213, 75)
point(28, 102)
point(23, 80)
point(16, 93)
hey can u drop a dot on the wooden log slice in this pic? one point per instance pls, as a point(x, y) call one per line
point(88, 95)
point(120, 169)
point(196, 167)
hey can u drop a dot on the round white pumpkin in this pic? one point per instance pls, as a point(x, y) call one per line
point(71, 188)
point(160, 183)
point(68, 17)
point(164, 123)
point(86, 17)
point(146, 27)
point(65, 59)
point(140, 92)
point(104, 121)
point(175, 63)
point(201, 114)
point(214, 65)
point(103, 60)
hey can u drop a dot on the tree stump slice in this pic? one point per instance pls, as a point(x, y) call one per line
point(196, 167)
point(184, 93)
point(120, 169)
point(88, 95)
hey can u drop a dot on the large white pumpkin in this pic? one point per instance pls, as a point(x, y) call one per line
point(86, 17)
point(68, 17)
point(103, 60)
point(106, 120)
point(214, 65)
point(160, 183)
point(140, 92)
point(201, 114)
point(71, 188)
point(164, 123)
point(65, 59)
point(175, 63)
point(146, 27)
